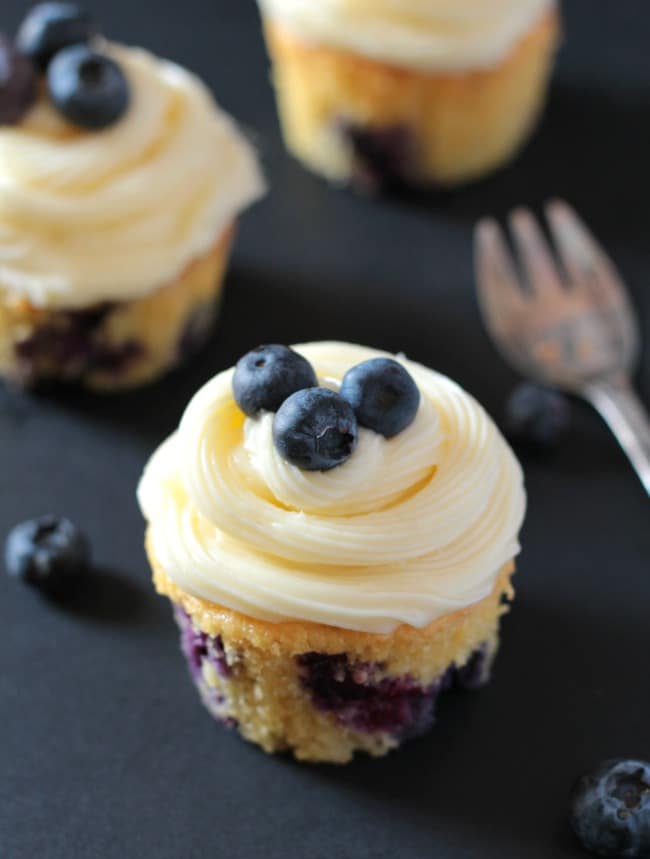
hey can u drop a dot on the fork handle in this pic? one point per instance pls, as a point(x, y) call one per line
point(627, 418)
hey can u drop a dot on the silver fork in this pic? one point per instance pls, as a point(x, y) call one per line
point(568, 324)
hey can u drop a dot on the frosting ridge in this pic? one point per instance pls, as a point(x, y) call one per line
point(406, 530)
point(111, 215)
point(434, 34)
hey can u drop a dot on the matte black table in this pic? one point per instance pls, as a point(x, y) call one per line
point(104, 748)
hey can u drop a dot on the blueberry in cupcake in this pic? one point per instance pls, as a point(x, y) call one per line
point(123, 181)
point(418, 92)
point(337, 560)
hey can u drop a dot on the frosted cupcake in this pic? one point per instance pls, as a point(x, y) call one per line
point(418, 92)
point(121, 184)
point(336, 556)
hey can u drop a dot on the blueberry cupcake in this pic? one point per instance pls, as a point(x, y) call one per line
point(335, 528)
point(121, 184)
point(416, 92)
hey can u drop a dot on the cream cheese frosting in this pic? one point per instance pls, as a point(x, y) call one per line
point(428, 34)
point(407, 530)
point(112, 215)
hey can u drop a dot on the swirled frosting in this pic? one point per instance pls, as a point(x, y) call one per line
point(406, 530)
point(434, 34)
point(112, 215)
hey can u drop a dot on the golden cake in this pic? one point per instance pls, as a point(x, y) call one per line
point(117, 211)
point(332, 573)
point(433, 93)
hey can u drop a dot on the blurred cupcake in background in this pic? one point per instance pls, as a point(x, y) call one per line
point(121, 183)
point(415, 92)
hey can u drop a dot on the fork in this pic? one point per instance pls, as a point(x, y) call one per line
point(566, 323)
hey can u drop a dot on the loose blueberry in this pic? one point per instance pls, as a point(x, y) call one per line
point(610, 809)
point(50, 27)
point(88, 88)
point(17, 83)
point(265, 377)
point(383, 395)
point(47, 552)
point(315, 429)
point(536, 417)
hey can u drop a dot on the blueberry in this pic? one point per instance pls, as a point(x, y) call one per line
point(383, 158)
point(47, 552)
point(87, 87)
point(265, 377)
point(610, 809)
point(315, 429)
point(383, 395)
point(536, 417)
point(17, 83)
point(50, 27)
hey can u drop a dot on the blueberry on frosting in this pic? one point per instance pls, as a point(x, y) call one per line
point(267, 375)
point(50, 27)
point(383, 395)
point(17, 83)
point(315, 429)
point(87, 87)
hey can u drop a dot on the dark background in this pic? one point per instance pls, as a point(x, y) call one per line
point(104, 748)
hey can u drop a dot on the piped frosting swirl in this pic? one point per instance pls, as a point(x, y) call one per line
point(406, 530)
point(88, 217)
point(447, 35)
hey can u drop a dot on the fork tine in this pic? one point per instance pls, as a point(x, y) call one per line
point(581, 254)
point(535, 254)
point(500, 295)
point(588, 266)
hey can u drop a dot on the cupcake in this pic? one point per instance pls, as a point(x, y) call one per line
point(121, 184)
point(335, 529)
point(415, 92)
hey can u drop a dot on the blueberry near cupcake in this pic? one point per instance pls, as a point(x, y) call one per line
point(122, 182)
point(48, 553)
point(415, 92)
point(334, 564)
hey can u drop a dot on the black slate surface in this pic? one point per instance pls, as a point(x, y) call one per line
point(104, 748)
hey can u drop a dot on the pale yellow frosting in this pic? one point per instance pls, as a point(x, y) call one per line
point(112, 215)
point(429, 34)
point(408, 529)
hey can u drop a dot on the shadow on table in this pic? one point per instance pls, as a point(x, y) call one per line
point(104, 596)
point(590, 148)
point(260, 307)
point(512, 750)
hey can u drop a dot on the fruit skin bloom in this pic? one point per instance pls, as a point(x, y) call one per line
point(267, 375)
point(48, 552)
point(536, 418)
point(50, 27)
point(315, 429)
point(383, 395)
point(610, 809)
point(88, 88)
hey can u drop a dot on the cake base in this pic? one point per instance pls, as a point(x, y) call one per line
point(118, 345)
point(322, 692)
point(356, 120)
